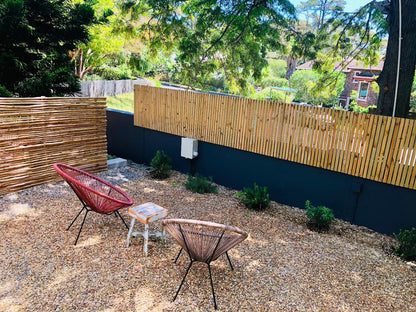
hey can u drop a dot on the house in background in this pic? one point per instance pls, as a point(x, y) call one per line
point(358, 78)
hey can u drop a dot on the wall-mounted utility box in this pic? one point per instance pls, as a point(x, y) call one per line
point(189, 148)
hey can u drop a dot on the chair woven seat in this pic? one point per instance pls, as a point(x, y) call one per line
point(94, 193)
point(203, 241)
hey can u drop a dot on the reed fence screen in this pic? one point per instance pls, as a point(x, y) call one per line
point(374, 147)
point(37, 132)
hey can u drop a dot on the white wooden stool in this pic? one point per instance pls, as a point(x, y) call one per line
point(146, 213)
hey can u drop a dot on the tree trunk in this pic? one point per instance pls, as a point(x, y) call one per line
point(291, 67)
point(387, 78)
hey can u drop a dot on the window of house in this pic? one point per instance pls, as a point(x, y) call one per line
point(362, 91)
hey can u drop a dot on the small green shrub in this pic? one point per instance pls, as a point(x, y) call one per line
point(256, 198)
point(4, 92)
point(161, 165)
point(406, 249)
point(320, 216)
point(200, 184)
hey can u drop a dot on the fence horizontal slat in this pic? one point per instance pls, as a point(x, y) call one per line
point(374, 147)
point(37, 132)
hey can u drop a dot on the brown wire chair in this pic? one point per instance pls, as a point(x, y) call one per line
point(203, 242)
point(94, 193)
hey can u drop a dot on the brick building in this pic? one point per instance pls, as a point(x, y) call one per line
point(358, 78)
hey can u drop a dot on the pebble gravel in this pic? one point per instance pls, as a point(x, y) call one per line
point(282, 266)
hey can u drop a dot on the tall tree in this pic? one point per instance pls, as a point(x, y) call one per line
point(395, 87)
point(318, 12)
point(211, 35)
point(360, 34)
point(307, 41)
point(36, 37)
point(107, 37)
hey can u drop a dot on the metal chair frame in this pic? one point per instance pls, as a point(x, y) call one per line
point(121, 204)
point(209, 259)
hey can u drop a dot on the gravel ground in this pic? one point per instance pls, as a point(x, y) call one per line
point(282, 266)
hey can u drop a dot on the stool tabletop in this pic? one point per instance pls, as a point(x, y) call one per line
point(148, 212)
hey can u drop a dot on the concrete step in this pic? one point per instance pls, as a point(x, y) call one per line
point(116, 163)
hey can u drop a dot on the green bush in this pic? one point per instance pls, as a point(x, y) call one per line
point(161, 165)
point(4, 92)
point(121, 72)
point(200, 184)
point(320, 216)
point(406, 249)
point(256, 198)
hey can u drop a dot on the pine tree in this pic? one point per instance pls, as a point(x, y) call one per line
point(36, 37)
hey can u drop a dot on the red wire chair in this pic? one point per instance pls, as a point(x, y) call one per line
point(94, 193)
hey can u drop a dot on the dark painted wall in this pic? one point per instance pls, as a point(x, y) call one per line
point(382, 207)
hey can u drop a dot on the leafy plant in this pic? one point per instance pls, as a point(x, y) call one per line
point(406, 249)
point(4, 92)
point(256, 198)
point(161, 165)
point(319, 216)
point(200, 184)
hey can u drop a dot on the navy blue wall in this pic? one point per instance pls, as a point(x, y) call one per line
point(382, 207)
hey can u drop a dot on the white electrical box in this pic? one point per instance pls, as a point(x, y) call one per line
point(189, 148)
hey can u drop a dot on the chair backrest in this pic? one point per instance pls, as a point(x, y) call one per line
point(96, 193)
point(204, 241)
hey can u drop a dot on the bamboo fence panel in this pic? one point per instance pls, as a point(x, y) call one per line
point(378, 148)
point(37, 132)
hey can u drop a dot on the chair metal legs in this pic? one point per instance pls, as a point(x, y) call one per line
point(229, 261)
point(212, 286)
point(82, 224)
point(210, 278)
point(177, 257)
point(228, 257)
point(207, 262)
point(183, 280)
point(116, 213)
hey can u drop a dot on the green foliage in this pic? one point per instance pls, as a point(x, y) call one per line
point(273, 95)
point(354, 107)
point(277, 68)
point(161, 165)
point(210, 35)
point(256, 198)
point(319, 12)
point(116, 73)
point(320, 216)
point(200, 184)
point(312, 87)
point(4, 92)
point(36, 36)
point(275, 82)
point(156, 82)
point(413, 96)
point(406, 249)
point(299, 82)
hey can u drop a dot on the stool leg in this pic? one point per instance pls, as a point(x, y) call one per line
point(146, 238)
point(163, 236)
point(130, 231)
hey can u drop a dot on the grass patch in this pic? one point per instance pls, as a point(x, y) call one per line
point(123, 102)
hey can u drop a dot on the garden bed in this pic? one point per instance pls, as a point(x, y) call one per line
point(283, 265)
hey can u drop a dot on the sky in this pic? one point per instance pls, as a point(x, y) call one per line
point(351, 5)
